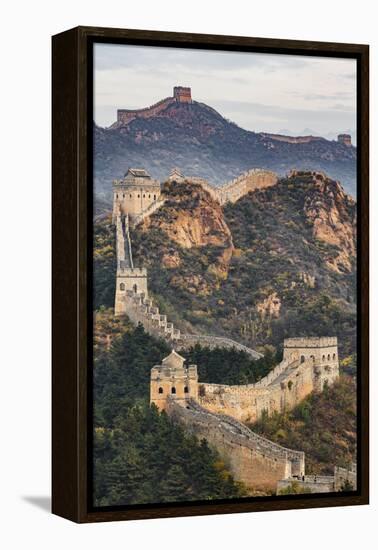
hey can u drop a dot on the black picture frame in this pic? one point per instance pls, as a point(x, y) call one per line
point(72, 125)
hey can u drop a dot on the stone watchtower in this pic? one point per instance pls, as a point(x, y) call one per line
point(173, 380)
point(323, 354)
point(345, 139)
point(133, 194)
point(182, 94)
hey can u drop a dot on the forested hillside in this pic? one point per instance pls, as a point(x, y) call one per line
point(278, 263)
point(140, 456)
point(323, 425)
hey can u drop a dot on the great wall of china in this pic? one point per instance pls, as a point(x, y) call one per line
point(215, 411)
point(181, 94)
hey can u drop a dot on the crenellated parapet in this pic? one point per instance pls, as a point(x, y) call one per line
point(181, 94)
point(308, 365)
point(125, 116)
point(142, 310)
point(235, 189)
point(245, 183)
point(136, 192)
point(321, 352)
point(147, 212)
point(212, 342)
point(253, 460)
point(172, 378)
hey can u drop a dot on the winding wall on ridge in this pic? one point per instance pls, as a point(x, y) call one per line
point(252, 459)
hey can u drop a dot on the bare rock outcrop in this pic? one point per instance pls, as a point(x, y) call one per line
point(333, 216)
point(193, 219)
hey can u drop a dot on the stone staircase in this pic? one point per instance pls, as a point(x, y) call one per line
point(128, 255)
point(189, 340)
point(148, 212)
point(141, 309)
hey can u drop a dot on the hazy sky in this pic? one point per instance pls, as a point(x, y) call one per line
point(260, 92)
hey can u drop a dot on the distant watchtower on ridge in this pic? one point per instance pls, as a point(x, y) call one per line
point(345, 139)
point(182, 94)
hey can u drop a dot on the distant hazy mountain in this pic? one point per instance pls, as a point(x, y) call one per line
point(199, 141)
point(329, 135)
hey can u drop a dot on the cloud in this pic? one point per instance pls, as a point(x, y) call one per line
point(252, 89)
point(326, 97)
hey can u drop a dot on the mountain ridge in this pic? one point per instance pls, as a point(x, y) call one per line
point(277, 263)
point(201, 142)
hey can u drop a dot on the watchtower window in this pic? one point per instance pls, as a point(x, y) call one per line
point(173, 390)
point(302, 358)
point(144, 196)
point(138, 196)
point(154, 197)
point(323, 358)
point(186, 389)
point(149, 196)
point(122, 286)
point(334, 356)
point(313, 358)
point(130, 195)
point(116, 195)
point(135, 288)
point(329, 357)
point(161, 390)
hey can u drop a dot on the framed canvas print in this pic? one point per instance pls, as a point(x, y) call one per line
point(210, 274)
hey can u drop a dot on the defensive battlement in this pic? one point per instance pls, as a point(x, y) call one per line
point(209, 341)
point(125, 116)
point(162, 371)
point(134, 301)
point(316, 174)
point(182, 94)
point(253, 459)
point(135, 194)
point(345, 139)
point(313, 342)
point(125, 271)
point(233, 190)
point(135, 177)
point(292, 139)
point(173, 379)
point(302, 370)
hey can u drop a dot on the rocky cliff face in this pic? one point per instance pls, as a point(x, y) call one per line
point(269, 306)
point(279, 262)
point(333, 217)
point(192, 219)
